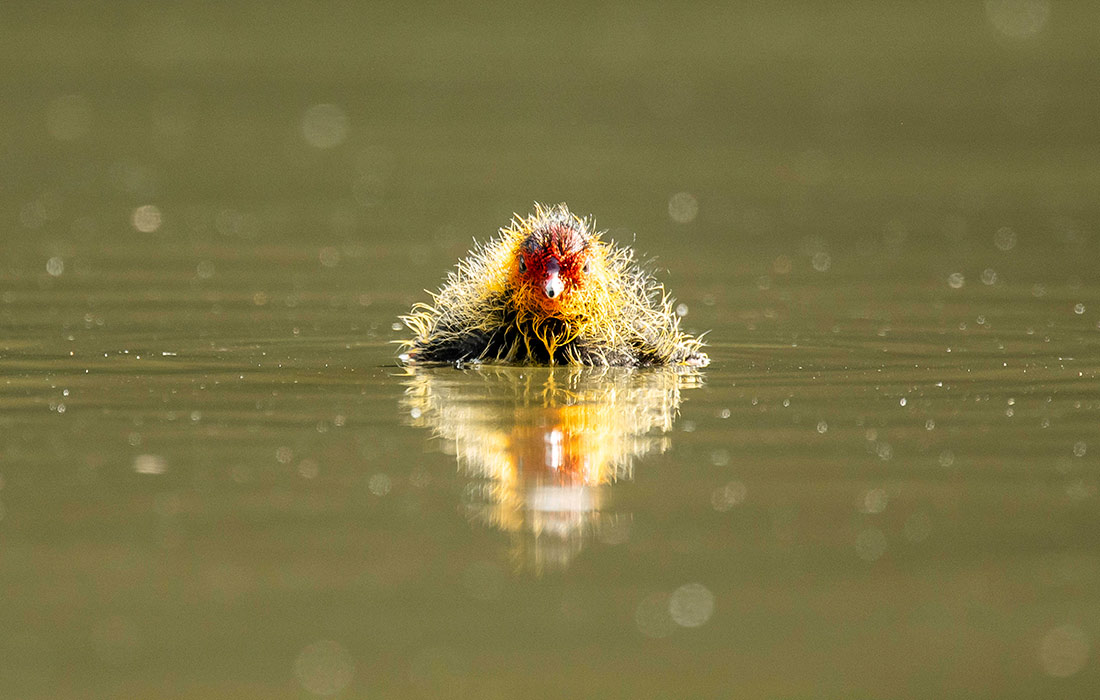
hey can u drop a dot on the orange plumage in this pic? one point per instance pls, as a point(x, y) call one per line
point(549, 290)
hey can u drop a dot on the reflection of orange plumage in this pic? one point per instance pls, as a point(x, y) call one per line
point(541, 447)
point(574, 450)
point(548, 290)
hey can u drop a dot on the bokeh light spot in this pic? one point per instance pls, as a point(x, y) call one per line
point(146, 218)
point(870, 544)
point(309, 469)
point(1064, 651)
point(873, 501)
point(379, 484)
point(683, 207)
point(821, 261)
point(1004, 239)
point(691, 605)
point(324, 668)
point(325, 126)
point(150, 464)
point(1018, 19)
point(724, 498)
point(329, 256)
point(652, 616)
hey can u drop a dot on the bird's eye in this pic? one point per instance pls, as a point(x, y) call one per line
point(522, 264)
point(587, 267)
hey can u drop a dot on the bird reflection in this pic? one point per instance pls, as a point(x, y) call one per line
point(541, 446)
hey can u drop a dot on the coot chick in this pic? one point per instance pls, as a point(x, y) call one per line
point(546, 291)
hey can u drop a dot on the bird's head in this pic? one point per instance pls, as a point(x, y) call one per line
point(553, 258)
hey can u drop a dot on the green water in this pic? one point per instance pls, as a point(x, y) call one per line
point(216, 481)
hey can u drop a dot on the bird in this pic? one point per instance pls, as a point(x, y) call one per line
point(549, 290)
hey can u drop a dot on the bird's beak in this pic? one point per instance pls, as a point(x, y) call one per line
point(553, 286)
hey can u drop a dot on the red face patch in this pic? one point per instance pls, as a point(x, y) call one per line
point(559, 250)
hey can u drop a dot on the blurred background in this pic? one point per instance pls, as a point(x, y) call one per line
point(211, 215)
point(359, 122)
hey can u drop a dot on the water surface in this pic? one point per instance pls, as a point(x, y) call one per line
point(216, 481)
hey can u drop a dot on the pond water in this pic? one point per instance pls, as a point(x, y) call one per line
point(216, 481)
